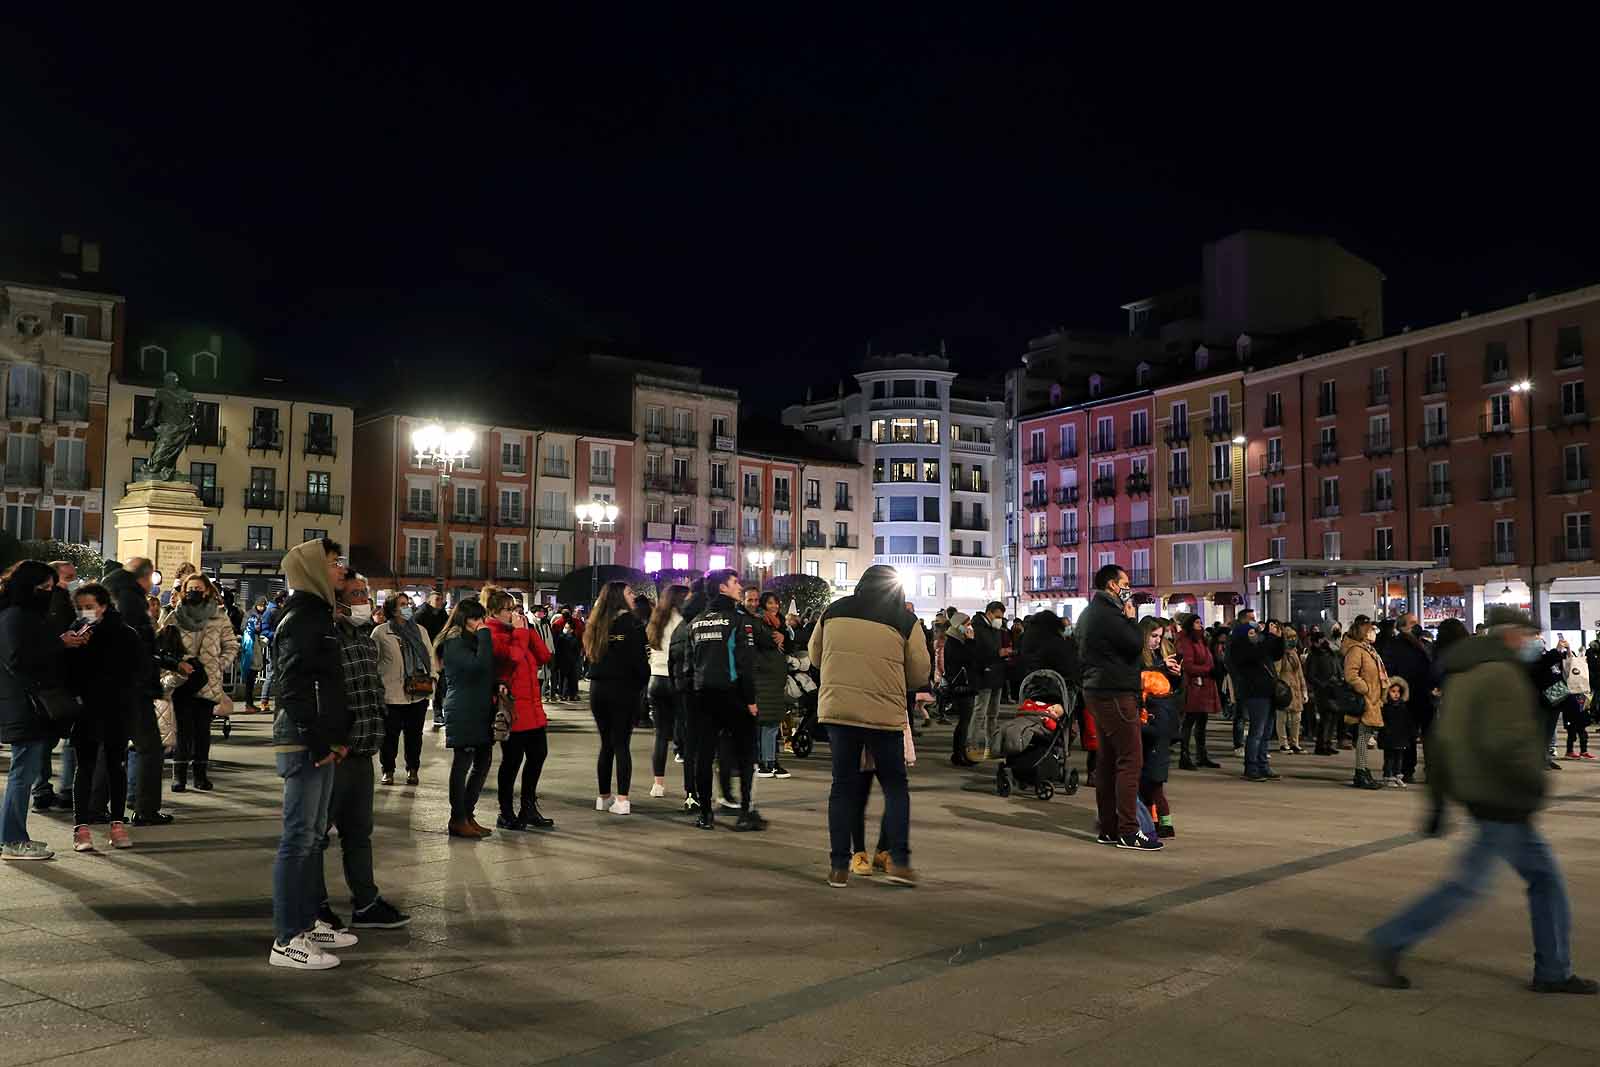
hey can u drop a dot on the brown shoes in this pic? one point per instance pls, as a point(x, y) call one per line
point(899, 875)
point(468, 829)
point(483, 831)
point(838, 878)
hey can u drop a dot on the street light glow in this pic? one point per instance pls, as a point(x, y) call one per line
point(1524, 386)
point(1239, 439)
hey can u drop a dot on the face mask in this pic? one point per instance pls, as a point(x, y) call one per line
point(1125, 595)
point(361, 612)
point(193, 599)
point(89, 614)
point(405, 611)
point(72, 586)
point(1531, 651)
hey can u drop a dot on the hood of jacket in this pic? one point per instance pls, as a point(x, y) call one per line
point(1475, 651)
point(1405, 688)
point(306, 568)
point(879, 596)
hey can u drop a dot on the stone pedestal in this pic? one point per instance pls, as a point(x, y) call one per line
point(161, 521)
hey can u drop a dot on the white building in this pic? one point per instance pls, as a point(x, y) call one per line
point(937, 515)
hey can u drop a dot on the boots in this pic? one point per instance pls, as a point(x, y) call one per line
point(1184, 762)
point(201, 781)
point(1363, 780)
point(180, 777)
point(531, 816)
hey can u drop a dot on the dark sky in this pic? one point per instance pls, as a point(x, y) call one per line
point(766, 193)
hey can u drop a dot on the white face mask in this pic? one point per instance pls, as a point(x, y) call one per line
point(89, 614)
point(361, 612)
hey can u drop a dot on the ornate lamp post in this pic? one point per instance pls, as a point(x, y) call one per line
point(760, 560)
point(598, 516)
point(442, 450)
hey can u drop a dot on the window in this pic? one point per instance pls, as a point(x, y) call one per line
point(511, 456)
point(1180, 514)
point(1441, 542)
point(841, 572)
point(264, 429)
point(600, 467)
point(930, 509)
point(140, 465)
point(312, 535)
point(1069, 440)
point(72, 396)
point(203, 476)
point(19, 521)
point(67, 525)
point(1274, 413)
point(1096, 387)
point(1219, 410)
point(719, 518)
point(752, 487)
point(508, 556)
point(1105, 435)
point(930, 586)
point(1069, 569)
point(930, 431)
point(1277, 547)
point(1436, 372)
point(1328, 441)
point(152, 359)
point(511, 505)
point(652, 561)
point(880, 389)
point(1380, 385)
point(203, 366)
point(1435, 423)
point(1575, 465)
point(1500, 475)
point(1202, 358)
point(841, 496)
point(1139, 428)
point(930, 390)
point(1330, 495)
point(930, 545)
point(1439, 480)
point(74, 325)
point(23, 386)
point(1383, 543)
point(1327, 399)
point(902, 509)
point(22, 459)
point(1106, 470)
point(1572, 403)
point(1505, 539)
point(1141, 375)
point(1500, 411)
point(1383, 488)
point(318, 483)
point(1569, 346)
point(1378, 433)
point(69, 469)
point(1579, 533)
point(1274, 453)
point(319, 433)
point(813, 493)
point(1496, 362)
point(1180, 420)
point(258, 538)
point(1202, 561)
point(812, 568)
point(1331, 545)
point(466, 553)
point(208, 538)
point(467, 501)
point(1221, 462)
point(208, 422)
point(680, 470)
point(1036, 452)
point(419, 553)
point(680, 562)
point(1277, 501)
point(655, 511)
point(420, 501)
point(752, 527)
point(902, 544)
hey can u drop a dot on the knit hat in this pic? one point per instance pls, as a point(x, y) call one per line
point(1500, 615)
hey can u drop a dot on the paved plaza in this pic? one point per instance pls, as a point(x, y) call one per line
point(621, 941)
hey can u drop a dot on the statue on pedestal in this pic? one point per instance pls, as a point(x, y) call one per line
point(172, 417)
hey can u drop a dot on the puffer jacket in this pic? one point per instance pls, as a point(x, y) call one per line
point(216, 647)
point(770, 666)
point(1487, 749)
point(1399, 725)
point(1292, 672)
point(308, 676)
point(1577, 674)
point(1364, 670)
point(518, 655)
point(871, 654)
point(1108, 646)
point(1200, 695)
point(469, 678)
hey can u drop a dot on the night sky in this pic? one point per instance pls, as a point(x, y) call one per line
point(765, 194)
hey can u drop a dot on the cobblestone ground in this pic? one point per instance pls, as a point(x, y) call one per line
point(638, 940)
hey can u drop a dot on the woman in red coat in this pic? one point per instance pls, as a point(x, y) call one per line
point(518, 655)
point(1200, 698)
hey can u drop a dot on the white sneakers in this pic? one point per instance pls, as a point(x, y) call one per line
point(301, 954)
point(620, 806)
point(658, 790)
point(600, 803)
point(325, 936)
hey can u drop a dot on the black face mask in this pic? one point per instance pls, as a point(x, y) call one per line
point(194, 599)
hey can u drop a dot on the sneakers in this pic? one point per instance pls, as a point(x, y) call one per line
point(1585, 755)
point(779, 772)
point(839, 879)
point(82, 839)
point(411, 778)
point(860, 864)
point(328, 917)
point(691, 804)
point(1570, 755)
point(1138, 842)
point(386, 778)
point(26, 850)
point(1238, 753)
point(658, 790)
point(727, 805)
point(677, 757)
point(302, 955)
point(703, 821)
point(602, 803)
point(324, 936)
point(1105, 839)
point(620, 806)
point(119, 836)
point(379, 915)
point(1583, 987)
point(763, 771)
point(880, 861)
point(898, 875)
point(1372, 742)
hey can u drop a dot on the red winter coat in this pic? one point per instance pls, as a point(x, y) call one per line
point(518, 655)
point(1200, 696)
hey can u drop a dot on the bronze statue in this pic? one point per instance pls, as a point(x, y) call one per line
point(172, 417)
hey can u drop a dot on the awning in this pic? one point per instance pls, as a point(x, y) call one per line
point(1225, 597)
point(1431, 588)
point(1181, 598)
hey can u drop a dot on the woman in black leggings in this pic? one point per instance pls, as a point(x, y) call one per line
point(614, 645)
point(466, 648)
point(666, 704)
point(519, 652)
point(959, 676)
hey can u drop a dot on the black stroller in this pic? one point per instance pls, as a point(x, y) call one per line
point(1036, 743)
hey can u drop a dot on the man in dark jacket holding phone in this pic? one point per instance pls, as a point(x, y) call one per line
point(129, 585)
point(1251, 653)
point(1108, 654)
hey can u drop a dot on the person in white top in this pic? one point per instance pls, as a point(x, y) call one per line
point(409, 671)
point(666, 704)
point(1575, 673)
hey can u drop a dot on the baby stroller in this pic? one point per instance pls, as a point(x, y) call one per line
point(1036, 743)
point(800, 722)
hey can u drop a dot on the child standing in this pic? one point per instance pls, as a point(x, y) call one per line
point(1161, 679)
point(1397, 732)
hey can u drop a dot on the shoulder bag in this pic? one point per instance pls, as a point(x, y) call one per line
point(56, 704)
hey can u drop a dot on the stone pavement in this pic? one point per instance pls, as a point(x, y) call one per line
point(639, 940)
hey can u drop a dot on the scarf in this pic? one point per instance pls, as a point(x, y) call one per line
point(193, 617)
point(413, 650)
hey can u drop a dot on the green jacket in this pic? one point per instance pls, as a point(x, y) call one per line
point(1486, 750)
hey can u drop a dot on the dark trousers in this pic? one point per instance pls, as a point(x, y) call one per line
point(847, 798)
point(523, 750)
point(1121, 756)
point(721, 714)
point(614, 705)
point(962, 706)
point(1194, 729)
point(249, 689)
point(438, 700)
point(42, 789)
point(193, 718)
point(666, 708)
point(148, 754)
point(403, 719)
point(469, 768)
point(350, 812)
point(106, 736)
point(1327, 727)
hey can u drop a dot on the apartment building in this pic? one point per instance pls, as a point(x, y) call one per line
point(769, 515)
point(1199, 487)
point(834, 495)
point(59, 341)
point(1468, 443)
point(271, 465)
point(938, 527)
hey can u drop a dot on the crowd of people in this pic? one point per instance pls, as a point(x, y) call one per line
point(718, 671)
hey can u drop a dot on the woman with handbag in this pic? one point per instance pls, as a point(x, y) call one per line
point(518, 656)
point(466, 648)
point(105, 675)
point(199, 633)
point(1291, 672)
point(408, 668)
point(1364, 670)
point(959, 671)
point(34, 707)
point(1201, 697)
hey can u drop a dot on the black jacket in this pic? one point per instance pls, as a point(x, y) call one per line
point(680, 661)
point(309, 674)
point(722, 649)
point(986, 653)
point(62, 614)
point(1045, 648)
point(958, 658)
point(129, 598)
point(1403, 655)
point(626, 658)
point(1323, 668)
point(105, 673)
point(431, 619)
point(1251, 663)
point(1108, 646)
point(32, 660)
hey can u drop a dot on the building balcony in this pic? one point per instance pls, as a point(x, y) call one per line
point(1176, 434)
point(1434, 437)
point(319, 503)
point(720, 492)
point(1218, 427)
point(1496, 371)
point(1103, 488)
point(781, 503)
point(602, 476)
point(265, 439)
point(1177, 479)
point(683, 438)
point(966, 444)
point(320, 444)
point(889, 403)
point(658, 531)
point(1373, 502)
point(1569, 359)
point(1377, 444)
point(1035, 540)
point(1102, 534)
point(722, 535)
point(1326, 509)
point(467, 568)
point(1499, 555)
point(409, 513)
point(721, 442)
point(690, 486)
point(1272, 417)
point(813, 539)
point(1272, 465)
point(1563, 480)
point(1067, 495)
point(1216, 475)
point(255, 499)
point(970, 487)
point(1138, 530)
point(686, 533)
point(1136, 438)
point(549, 573)
point(468, 518)
point(752, 498)
point(554, 519)
point(1099, 445)
point(961, 521)
point(1325, 455)
point(419, 568)
point(1327, 408)
point(511, 519)
point(654, 435)
point(1138, 484)
point(1565, 418)
point(1029, 501)
point(1572, 550)
point(657, 483)
point(1199, 522)
point(1036, 456)
point(1377, 394)
point(971, 561)
point(1490, 426)
point(510, 572)
point(1271, 516)
point(210, 495)
point(843, 503)
point(57, 477)
point(1437, 495)
point(1140, 579)
point(1063, 584)
point(557, 468)
point(1501, 490)
point(1068, 451)
point(846, 542)
point(1067, 537)
point(1435, 381)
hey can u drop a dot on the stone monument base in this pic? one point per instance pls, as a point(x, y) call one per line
point(162, 521)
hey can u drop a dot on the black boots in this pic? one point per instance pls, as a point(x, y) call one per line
point(180, 777)
point(1363, 780)
point(531, 816)
point(1184, 762)
point(201, 781)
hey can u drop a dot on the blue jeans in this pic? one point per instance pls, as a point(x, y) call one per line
point(297, 874)
point(69, 768)
point(769, 744)
point(1258, 713)
point(1520, 845)
point(27, 757)
point(847, 798)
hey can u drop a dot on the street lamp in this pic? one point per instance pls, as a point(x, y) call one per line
point(597, 516)
point(1244, 496)
point(442, 450)
point(760, 560)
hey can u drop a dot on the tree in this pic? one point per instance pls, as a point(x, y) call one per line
point(91, 565)
point(810, 594)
